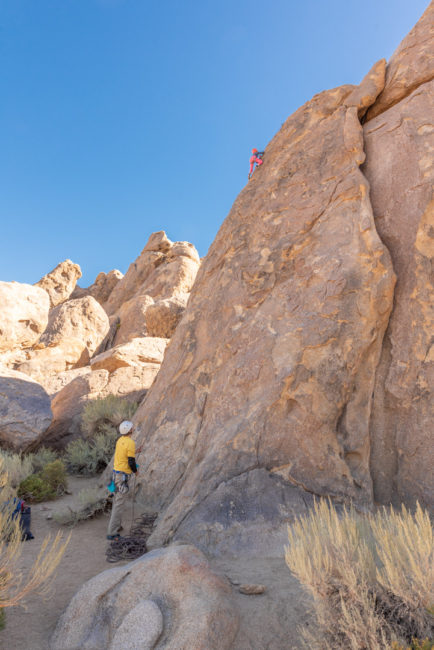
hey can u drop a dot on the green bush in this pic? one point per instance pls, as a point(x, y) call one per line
point(41, 458)
point(45, 485)
point(106, 413)
point(100, 420)
point(371, 577)
point(90, 457)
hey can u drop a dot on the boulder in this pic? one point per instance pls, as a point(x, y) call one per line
point(163, 316)
point(68, 403)
point(82, 319)
point(54, 383)
point(135, 353)
point(399, 144)
point(60, 282)
point(162, 270)
point(169, 599)
point(101, 288)
point(411, 65)
point(277, 370)
point(25, 412)
point(43, 362)
point(132, 319)
point(24, 314)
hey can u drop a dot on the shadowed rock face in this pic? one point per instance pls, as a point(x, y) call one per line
point(273, 364)
point(400, 167)
point(25, 411)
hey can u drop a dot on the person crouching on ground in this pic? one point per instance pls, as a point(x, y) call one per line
point(124, 465)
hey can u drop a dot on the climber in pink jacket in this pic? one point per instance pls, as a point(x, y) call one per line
point(256, 157)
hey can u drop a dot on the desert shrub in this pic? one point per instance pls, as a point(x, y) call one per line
point(14, 585)
point(371, 577)
point(100, 420)
point(90, 457)
point(41, 458)
point(48, 484)
point(92, 502)
point(16, 466)
point(105, 414)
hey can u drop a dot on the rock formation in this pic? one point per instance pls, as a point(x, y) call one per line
point(75, 351)
point(287, 369)
point(24, 314)
point(277, 371)
point(101, 288)
point(25, 412)
point(170, 598)
point(399, 144)
point(60, 282)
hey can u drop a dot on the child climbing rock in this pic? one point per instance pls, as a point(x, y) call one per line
point(256, 157)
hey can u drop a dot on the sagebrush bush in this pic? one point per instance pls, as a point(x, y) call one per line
point(16, 466)
point(48, 484)
point(14, 586)
point(100, 420)
point(371, 577)
point(90, 457)
point(105, 413)
point(41, 458)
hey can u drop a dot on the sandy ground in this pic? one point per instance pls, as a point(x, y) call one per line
point(268, 621)
point(31, 628)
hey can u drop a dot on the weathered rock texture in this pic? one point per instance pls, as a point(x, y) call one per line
point(277, 370)
point(68, 402)
point(162, 270)
point(83, 319)
point(25, 412)
point(135, 353)
point(400, 168)
point(60, 282)
point(410, 66)
point(168, 599)
point(101, 288)
point(24, 314)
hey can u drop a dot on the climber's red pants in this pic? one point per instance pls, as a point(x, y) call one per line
point(254, 160)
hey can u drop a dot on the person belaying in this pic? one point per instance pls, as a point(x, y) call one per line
point(255, 158)
point(124, 465)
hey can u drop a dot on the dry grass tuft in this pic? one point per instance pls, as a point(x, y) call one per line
point(371, 577)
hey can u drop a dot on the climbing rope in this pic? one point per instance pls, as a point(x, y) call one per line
point(133, 546)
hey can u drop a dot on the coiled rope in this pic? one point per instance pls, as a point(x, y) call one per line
point(133, 546)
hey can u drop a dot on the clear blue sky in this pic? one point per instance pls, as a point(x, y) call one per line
point(122, 117)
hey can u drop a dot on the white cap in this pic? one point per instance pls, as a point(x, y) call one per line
point(125, 427)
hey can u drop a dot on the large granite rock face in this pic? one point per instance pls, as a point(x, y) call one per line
point(168, 599)
point(410, 66)
point(399, 145)
point(25, 412)
point(24, 314)
point(60, 282)
point(277, 370)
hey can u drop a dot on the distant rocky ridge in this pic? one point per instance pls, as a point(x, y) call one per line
point(74, 344)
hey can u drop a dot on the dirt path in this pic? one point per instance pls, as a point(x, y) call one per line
point(268, 621)
point(31, 628)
